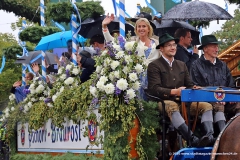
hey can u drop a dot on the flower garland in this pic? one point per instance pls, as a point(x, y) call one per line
point(115, 88)
point(11, 107)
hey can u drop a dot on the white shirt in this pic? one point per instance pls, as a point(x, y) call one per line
point(170, 63)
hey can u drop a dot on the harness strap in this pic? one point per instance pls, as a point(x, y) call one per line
point(195, 120)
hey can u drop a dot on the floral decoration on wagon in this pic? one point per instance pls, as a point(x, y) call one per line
point(67, 77)
point(115, 89)
point(10, 107)
point(37, 91)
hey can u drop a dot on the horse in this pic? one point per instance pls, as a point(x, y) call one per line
point(228, 147)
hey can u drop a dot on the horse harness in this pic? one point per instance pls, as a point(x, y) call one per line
point(216, 145)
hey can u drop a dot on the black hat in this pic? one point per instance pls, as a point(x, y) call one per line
point(166, 38)
point(143, 15)
point(208, 39)
point(85, 53)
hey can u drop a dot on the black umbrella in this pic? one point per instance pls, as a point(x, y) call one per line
point(91, 27)
point(170, 26)
point(35, 57)
point(197, 10)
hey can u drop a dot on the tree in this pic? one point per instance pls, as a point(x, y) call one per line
point(146, 9)
point(229, 32)
point(234, 1)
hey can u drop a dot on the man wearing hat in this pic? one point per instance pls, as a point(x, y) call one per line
point(208, 70)
point(166, 78)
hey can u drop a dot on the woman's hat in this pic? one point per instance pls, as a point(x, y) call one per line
point(166, 38)
point(208, 39)
point(143, 15)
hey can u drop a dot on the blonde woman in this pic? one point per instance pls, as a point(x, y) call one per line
point(144, 31)
point(146, 45)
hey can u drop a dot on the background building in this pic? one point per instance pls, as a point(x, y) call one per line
point(164, 5)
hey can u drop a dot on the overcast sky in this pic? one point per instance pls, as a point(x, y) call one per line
point(131, 9)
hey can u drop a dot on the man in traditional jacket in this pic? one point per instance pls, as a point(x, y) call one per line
point(166, 78)
point(208, 70)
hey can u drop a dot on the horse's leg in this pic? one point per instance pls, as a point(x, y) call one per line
point(229, 146)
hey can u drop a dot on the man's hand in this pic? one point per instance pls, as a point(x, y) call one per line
point(195, 49)
point(17, 84)
point(35, 67)
point(107, 20)
point(197, 87)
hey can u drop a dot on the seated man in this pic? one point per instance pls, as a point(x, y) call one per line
point(166, 78)
point(208, 70)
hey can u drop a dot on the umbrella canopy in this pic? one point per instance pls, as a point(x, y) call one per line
point(91, 27)
point(36, 57)
point(197, 10)
point(56, 40)
point(170, 27)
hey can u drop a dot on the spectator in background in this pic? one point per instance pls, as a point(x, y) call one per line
point(18, 90)
point(182, 54)
point(97, 42)
point(85, 61)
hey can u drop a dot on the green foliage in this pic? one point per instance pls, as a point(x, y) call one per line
point(197, 24)
point(7, 78)
point(6, 40)
point(67, 156)
point(234, 1)
point(61, 12)
point(229, 32)
point(12, 51)
point(146, 9)
point(35, 33)
point(23, 8)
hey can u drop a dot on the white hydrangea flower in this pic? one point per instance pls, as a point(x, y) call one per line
point(107, 62)
point(114, 65)
point(32, 91)
point(128, 59)
point(63, 76)
point(120, 54)
point(49, 105)
point(109, 88)
point(12, 108)
point(60, 70)
point(57, 94)
point(117, 47)
point(33, 99)
point(54, 97)
point(69, 81)
point(102, 71)
point(126, 70)
point(100, 85)
point(98, 69)
point(136, 85)
point(45, 93)
point(131, 93)
point(1, 119)
point(111, 76)
point(40, 88)
point(93, 91)
point(116, 74)
point(26, 108)
point(40, 82)
point(12, 97)
point(69, 67)
point(133, 76)
point(35, 79)
point(31, 86)
point(129, 45)
point(41, 98)
point(139, 68)
point(7, 114)
point(122, 84)
point(104, 53)
point(7, 110)
point(103, 79)
point(61, 89)
point(75, 71)
point(29, 104)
